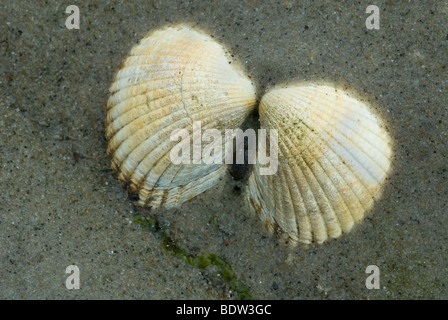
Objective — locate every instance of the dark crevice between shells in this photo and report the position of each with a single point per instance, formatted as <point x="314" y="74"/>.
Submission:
<point x="241" y="172"/>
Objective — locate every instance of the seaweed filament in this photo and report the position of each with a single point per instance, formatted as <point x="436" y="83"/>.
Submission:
<point x="200" y="262"/>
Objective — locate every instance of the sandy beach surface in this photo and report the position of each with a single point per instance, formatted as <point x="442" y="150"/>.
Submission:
<point x="61" y="205"/>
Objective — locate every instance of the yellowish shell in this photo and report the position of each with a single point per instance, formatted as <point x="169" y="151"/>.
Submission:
<point x="172" y="78"/>
<point x="334" y="156"/>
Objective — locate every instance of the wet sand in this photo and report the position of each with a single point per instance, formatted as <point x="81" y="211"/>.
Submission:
<point x="61" y="205"/>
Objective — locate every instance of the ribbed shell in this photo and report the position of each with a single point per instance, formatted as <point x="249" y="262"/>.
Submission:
<point x="334" y="156"/>
<point x="171" y="78"/>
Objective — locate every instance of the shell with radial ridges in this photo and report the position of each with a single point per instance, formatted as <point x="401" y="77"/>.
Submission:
<point x="334" y="155"/>
<point x="172" y="78"/>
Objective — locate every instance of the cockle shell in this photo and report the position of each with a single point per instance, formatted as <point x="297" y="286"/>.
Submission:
<point x="172" y="78"/>
<point x="334" y="156"/>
